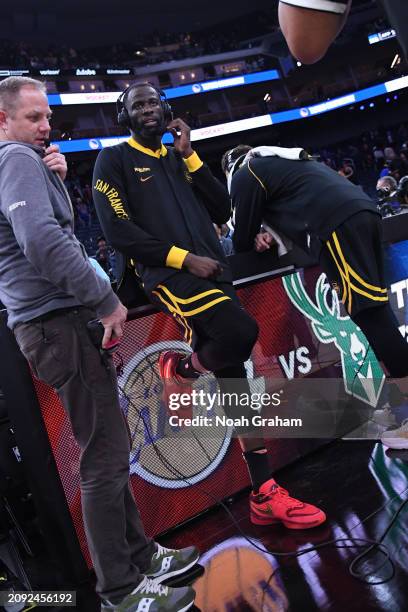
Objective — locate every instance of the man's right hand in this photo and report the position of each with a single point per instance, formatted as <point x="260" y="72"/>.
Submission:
<point x="263" y="242"/>
<point x="203" y="267"/>
<point x="113" y="324"/>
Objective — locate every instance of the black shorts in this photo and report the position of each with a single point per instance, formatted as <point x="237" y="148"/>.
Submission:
<point x="192" y="301"/>
<point x="353" y="261"/>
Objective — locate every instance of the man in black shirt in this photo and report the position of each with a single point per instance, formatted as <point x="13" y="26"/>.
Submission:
<point x="305" y="200"/>
<point x="157" y="206"/>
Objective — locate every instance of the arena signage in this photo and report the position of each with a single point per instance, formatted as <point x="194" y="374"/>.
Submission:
<point x="85" y="72"/>
<point x="92" y="97"/>
<point x="50" y="72"/>
<point x="381" y="36"/>
<point x="171" y="92"/>
<point x="241" y="125"/>
<point x="9" y="73"/>
<point x="117" y="71"/>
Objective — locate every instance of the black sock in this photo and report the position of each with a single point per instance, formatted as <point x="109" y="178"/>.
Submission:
<point x="258" y="467"/>
<point x="185" y="368"/>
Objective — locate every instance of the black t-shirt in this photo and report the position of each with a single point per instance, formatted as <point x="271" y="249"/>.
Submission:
<point x="147" y="205"/>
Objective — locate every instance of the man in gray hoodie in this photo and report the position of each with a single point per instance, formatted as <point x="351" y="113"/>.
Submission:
<point x="50" y="299"/>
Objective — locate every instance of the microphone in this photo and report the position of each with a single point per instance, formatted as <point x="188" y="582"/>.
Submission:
<point x="53" y="135"/>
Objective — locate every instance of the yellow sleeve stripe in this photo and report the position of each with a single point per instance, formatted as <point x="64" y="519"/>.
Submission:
<point x="193" y="162"/>
<point x="176" y="257"/>
<point x="257" y="178"/>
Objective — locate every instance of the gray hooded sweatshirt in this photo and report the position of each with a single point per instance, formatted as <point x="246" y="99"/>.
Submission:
<point x="43" y="267"/>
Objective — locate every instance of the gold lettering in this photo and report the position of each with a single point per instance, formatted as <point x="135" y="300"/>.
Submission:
<point x="118" y="208"/>
<point x="113" y="198"/>
<point x="101" y="186"/>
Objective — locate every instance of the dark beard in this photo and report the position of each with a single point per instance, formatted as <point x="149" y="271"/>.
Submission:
<point x="148" y="133"/>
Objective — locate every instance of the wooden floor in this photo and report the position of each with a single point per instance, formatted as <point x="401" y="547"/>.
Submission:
<point x="360" y="486"/>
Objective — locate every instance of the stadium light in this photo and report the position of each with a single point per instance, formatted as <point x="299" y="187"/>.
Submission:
<point x="395" y="61"/>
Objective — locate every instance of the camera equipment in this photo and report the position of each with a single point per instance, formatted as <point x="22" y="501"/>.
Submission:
<point x="402" y="191"/>
<point x="388" y="202"/>
<point x="386" y="209"/>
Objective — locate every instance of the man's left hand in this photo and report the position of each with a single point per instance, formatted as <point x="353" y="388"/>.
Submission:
<point x="56" y="161"/>
<point x="181" y="134"/>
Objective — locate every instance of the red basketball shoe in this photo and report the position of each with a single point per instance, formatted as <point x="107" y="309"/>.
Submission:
<point x="273" y="505"/>
<point x="174" y="385"/>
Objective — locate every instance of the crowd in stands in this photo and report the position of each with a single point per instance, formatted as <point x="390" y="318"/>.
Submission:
<point x="363" y="160"/>
<point x="80" y="190"/>
<point x="297" y="91"/>
<point x="149" y="49"/>
<point x="374" y="154"/>
<point x="154" y="47"/>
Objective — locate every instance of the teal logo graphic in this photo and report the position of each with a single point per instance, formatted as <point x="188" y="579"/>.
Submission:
<point x="362" y="374"/>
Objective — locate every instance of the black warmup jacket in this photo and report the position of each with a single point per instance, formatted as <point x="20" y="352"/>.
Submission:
<point x="297" y="198"/>
<point x="153" y="207"/>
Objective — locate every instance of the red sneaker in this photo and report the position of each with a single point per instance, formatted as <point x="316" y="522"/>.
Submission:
<point x="173" y="383"/>
<point x="273" y="505"/>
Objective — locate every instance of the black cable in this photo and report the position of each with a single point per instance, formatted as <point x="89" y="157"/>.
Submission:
<point x="265" y="588"/>
<point x="376" y="546"/>
<point x="355" y="542"/>
<point x="373" y="544"/>
<point x="362" y="555"/>
<point x="119" y="371"/>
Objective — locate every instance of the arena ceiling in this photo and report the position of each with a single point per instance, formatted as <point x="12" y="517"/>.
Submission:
<point x="82" y="23"/>
<point x="210" y="9"/>
<point x="70" y="20"/>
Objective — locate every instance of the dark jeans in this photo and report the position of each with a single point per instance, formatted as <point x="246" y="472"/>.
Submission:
<point x="62" y="355"/>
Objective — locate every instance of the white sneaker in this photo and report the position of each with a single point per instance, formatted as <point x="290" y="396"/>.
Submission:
<point x="150" y="596"/>
<point x="384" y="417"/>
<point x="396" y="438"/>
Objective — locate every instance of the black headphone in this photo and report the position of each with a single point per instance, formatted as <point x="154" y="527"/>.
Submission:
<point x="123" y="115"/>
<point x="233" y="160"/>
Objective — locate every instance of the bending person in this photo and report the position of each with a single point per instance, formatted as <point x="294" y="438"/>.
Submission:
<point x="303" y="199"/>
